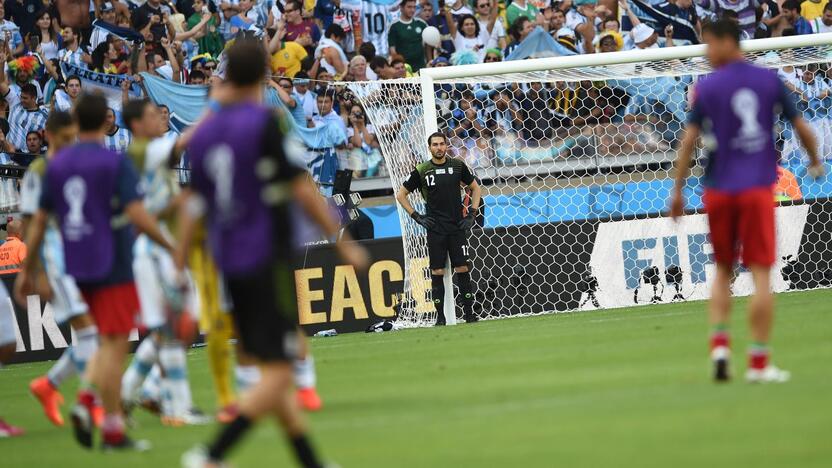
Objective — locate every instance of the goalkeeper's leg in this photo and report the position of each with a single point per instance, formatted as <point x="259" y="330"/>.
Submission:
<point x="458" y="252"/>
<point x="215" y="322"/>
<point x="463" y="282"/>
<point x="437" y="281"/>
<point x="438" y="253"/>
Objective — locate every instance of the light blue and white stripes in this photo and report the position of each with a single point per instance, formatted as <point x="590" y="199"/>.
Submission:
<point x="118" y="141"/>
<point x="22" y="121"/>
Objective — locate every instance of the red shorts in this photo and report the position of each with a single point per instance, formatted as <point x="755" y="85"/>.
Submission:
<point x="742" y="222"/>
<point x="114" y="307"/>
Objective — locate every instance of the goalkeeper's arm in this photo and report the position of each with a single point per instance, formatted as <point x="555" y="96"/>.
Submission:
<point x="476" y="195"/>
<point x="401" y="197"/>
<point x="422" y="220"/>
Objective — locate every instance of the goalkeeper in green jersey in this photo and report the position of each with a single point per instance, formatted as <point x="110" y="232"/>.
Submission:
<point x="447" y="223"/>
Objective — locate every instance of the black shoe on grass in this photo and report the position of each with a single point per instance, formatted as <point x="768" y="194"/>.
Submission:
<point x="82" y="425"/>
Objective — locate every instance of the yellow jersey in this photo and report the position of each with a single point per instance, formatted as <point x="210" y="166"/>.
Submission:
<point x="811" y="10"/>
<point x="286" y="61"/>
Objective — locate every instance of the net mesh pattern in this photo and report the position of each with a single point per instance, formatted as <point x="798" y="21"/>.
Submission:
<point x="575" y="166"/>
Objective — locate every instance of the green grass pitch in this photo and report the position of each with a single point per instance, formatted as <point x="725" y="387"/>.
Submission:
<point x="617" y="388"/>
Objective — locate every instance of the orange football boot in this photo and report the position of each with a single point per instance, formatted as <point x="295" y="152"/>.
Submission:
<point x="309" y="399"/>
<point x="50" y="398"/>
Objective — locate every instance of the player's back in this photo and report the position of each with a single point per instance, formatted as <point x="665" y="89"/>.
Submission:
<point x="239" y="167"/>
<point x="736" y="107"/>
<point x="88" y="187"/>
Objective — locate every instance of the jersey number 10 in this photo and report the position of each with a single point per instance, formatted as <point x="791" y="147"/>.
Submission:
<point x="375" y="23"/>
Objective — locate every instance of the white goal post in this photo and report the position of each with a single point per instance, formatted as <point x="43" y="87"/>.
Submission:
<point x="576" y="152"/>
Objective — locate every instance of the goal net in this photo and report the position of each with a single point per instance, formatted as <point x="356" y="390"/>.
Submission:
<point x="575" y="158"/>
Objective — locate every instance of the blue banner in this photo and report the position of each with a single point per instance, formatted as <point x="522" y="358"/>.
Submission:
<point x="537" y="44"/>
<point x="669" y="91"/>
<point x="185" y="102"/>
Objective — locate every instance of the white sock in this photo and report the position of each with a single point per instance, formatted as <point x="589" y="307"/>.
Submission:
<point x="63" y="368"/>
<point x="152" y="386"/>
<point x="175" y="381"/>
<point x="85" y="347"/>
<point x="246" y="376"/>
<point x="143" y="361"/>
<point x="305" y="372"/>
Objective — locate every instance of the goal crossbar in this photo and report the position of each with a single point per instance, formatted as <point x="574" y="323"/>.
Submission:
<point x="624" y="57"/>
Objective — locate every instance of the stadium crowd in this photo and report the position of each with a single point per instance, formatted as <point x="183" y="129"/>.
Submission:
<point x="313" y="43"/>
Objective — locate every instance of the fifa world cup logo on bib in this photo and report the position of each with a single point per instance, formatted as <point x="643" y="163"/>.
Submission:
<point x="745" y="106"/>
<point x="75" y="194"/>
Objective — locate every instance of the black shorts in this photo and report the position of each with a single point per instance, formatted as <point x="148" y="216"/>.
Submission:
<point x="265" y="312"/>
<point x="441" y="246"/>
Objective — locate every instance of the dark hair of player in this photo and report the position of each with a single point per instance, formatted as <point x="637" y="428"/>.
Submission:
<point x="90" y="112"/>
<point x="133" y="111"/>
<point x="723" y="28"/>
<point x="437" y="135"/>
<point x="58" y="120"/>
<point x="246" y="63"/>
<point x="30" y="90"/>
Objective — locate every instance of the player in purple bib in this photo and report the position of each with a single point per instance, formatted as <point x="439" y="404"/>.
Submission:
<point x="735" y="109"/>
<point x="93" y="193"/>
<point x="246" y="177"/>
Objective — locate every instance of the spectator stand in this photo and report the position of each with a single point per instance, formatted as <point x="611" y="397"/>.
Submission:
<point x="520" y="130"/>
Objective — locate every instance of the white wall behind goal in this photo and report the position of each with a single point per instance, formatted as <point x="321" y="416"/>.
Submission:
<point x="624" y="249"/>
